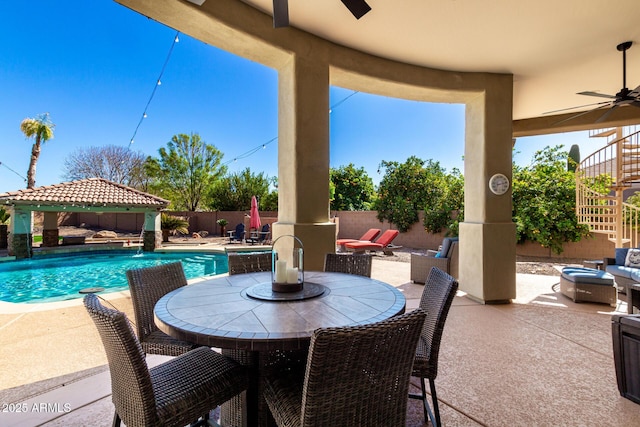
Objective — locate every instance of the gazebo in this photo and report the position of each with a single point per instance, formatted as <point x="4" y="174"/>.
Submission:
<point x="86" y="195"/>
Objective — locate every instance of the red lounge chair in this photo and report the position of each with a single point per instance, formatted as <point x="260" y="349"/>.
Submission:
<point x="371" y="234"/>
<point x="382" y="244"/>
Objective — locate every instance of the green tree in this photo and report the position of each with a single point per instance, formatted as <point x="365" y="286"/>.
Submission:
<point x="444" y="209"/>
<point x="405" y="189"/>
<point x="233" y="192"/>
<point x="41" y="129"/>
<point x="574" y="158"/>
<point x="185" y="171"/>
<point x="353" y="188"/>
<point x="544" y="201"/>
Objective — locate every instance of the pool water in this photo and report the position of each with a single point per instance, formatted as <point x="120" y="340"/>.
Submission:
<point x="57" y="278"/>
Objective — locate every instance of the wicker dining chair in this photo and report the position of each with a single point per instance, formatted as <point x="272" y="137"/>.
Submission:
<point x="175" y="393"/>
<point x="437" y="297"/>
<point x="240" y="263"/>
<point x="147" y="286"/>
<point x="359" y="264"/>
<point x="354" y="376"/>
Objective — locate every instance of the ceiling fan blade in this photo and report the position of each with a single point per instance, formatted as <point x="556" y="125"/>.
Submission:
<point x="635" y="93"/>
<point x="358" y="8"/>
<point x="603" y="117"/>
<point x="580" y="114"/>
<point x="280" y="13"/>
<point x="579" y="106"/>
<point x="601" y="95"/>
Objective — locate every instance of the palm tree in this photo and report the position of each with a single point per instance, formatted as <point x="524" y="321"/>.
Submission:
<point x="40" y="128"/>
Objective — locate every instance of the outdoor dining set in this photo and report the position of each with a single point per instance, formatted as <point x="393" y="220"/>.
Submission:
<point x="339" y="351"/>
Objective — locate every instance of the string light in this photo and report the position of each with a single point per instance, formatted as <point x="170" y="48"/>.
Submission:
<point x="176" y="39"/>
<point x="5" y="165"/>
<point x="264" y="146"/>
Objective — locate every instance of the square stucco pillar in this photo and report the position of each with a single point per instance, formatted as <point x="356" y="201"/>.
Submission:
<point x="488" y="234"/>
<point x="303" y="159"/>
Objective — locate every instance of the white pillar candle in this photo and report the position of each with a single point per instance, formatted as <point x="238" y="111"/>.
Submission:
<point x="292" y="276"/>
<point x="281" y="271"/>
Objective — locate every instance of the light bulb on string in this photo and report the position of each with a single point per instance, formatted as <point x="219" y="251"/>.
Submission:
<point x="159" y="82"/>
<point x="177" y="40"/>
<point x="144" y="115"/>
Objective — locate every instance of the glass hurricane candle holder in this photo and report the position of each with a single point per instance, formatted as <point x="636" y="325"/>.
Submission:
<point x="287" y="265"/>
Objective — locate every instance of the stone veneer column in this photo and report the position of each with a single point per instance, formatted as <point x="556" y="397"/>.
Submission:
<point x="303" y="158"/>
<point x="152" y="236"/>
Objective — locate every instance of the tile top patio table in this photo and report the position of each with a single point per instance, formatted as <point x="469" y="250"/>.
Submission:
<point x="219" y="313"/>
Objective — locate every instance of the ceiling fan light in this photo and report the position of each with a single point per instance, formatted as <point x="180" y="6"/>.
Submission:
<point x="358" y="8"/>
<point x="280" y="13"/>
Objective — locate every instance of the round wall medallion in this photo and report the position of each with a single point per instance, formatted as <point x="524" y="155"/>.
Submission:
<point x="499" y="184"/>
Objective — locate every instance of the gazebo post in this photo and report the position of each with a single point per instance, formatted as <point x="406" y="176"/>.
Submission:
<point x="50" y="232"/>
<point x="20" y="237"/>
<point x="152" y="231"/>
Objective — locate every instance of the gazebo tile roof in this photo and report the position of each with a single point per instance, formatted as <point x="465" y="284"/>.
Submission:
<point x="94" y="191"/>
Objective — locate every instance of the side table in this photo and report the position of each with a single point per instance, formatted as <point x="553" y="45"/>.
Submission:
<point x="598" y="264"/>
<point x="633" y="298"/>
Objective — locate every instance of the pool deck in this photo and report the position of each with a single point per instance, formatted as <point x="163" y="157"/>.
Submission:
<point x="542" y="360"/>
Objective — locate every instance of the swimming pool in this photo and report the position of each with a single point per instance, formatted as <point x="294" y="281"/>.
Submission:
<point x="57" y="278"/>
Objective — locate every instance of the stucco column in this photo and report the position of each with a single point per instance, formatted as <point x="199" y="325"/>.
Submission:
<point x="303" y="158"/>
<point x="20" y="237"/>
<point x="488" y="235"/>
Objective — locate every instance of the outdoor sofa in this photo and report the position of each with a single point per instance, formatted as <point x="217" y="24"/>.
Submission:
<point x="623" y="268"/>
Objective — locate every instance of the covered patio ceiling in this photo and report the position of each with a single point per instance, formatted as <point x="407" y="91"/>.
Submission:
<point x="553" y="49"/>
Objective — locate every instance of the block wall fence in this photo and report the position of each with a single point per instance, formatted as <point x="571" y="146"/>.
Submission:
<point x="350" y="224"/>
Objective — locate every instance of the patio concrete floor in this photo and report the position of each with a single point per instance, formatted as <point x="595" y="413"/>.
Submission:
<point x="542" y="360"/>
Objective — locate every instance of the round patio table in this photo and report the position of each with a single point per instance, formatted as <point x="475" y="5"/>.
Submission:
<point x="220" y="312"/>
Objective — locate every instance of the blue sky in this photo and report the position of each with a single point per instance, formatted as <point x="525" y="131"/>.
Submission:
<point x="94" y="64"/>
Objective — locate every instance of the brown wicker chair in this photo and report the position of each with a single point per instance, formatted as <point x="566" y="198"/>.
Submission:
<point x="354" y="376"/>
<point x="240" y="263"/>
<point x="436" y="300"/>
<point x="147" y="286"/>
<point x="175" y="393"/>
<point x="359" y="264"/>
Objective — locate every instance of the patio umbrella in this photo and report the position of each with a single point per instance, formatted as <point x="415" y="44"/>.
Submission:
<point x="254" y="221"/>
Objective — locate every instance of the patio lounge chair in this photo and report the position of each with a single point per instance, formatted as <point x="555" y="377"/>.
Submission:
<point x="446" y="259"/>
<point x="237" y="235"/>
<point x="175" y="393"/>
<point x="381" y="244"/>
<point x="371" y="234"/>
<point x="354" y="376"/>
<point x="436" y="300"/>
<point x="260" y="236"/>
<point x="147" y="285"/>
<point x="359" y="264"/>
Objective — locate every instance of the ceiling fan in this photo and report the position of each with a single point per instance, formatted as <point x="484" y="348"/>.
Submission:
<point x="624" y="97"/>
<point x="281" y="11"/>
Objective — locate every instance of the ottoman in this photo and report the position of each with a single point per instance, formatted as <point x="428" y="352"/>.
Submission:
<point x="588" y="285"/>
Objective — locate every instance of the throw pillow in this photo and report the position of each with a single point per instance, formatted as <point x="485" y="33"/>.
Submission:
<point x="633" y="258"/>
<point x="621" y="255"/>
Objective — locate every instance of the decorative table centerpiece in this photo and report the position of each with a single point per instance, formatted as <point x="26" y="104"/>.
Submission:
<point x="287" y="266"/>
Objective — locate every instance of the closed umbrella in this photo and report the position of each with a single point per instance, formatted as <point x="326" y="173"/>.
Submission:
<point x="254" y="221"/>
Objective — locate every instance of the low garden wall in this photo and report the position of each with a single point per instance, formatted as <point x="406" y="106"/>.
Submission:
<point x="350" y="224"/>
